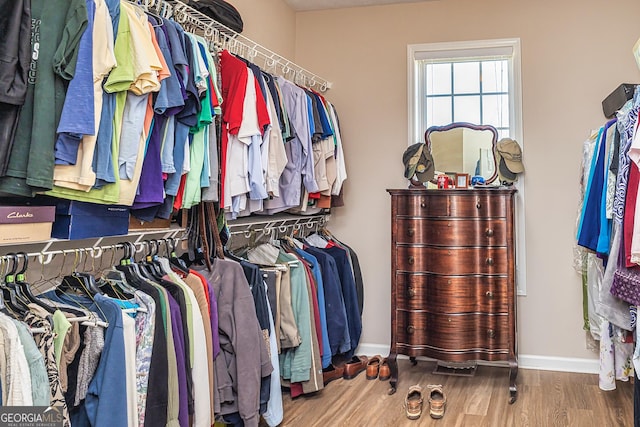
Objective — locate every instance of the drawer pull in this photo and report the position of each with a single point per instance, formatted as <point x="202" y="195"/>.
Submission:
<point x="411" y="292"/>
<point x="478" y="205"/>
<point x="410" y="330"/>
<point x="489" y="294"/>
<point x="411" y="232"/>
<point x="489" y="261"/>
<point x="491" y="333"/>
<point x="423" y="204"/>
<point x="411" y="260"/>
<point x="489" y="232"/>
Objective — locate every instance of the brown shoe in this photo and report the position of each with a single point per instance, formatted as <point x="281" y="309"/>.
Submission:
<point x="413" y="402"/>
<point x="384" y="372"/>
<point x="331" y="373"/>
<point x="437" y="401"/>
<point x="354" y="366"/>
<point x="373" y="366"/>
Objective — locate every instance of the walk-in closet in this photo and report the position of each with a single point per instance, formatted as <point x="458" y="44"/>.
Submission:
<point x="311" y="213"/>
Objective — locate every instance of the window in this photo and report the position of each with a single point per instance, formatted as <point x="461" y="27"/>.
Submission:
<point x="474" y="91"/>
<point x="477" y="82"/>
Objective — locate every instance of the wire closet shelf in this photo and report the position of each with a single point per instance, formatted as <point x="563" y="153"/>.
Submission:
<point x="222" y="37"/>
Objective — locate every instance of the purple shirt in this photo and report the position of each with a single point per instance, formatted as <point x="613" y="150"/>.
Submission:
<point x="213" y="314"/>
<point x="178" y="342"/>
<point x="151" y="185"/>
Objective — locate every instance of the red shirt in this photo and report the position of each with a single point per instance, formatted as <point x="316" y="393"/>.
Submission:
<point x="234" y="76"/>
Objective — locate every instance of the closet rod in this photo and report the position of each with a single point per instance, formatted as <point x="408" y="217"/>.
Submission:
<point x="281" y="224"/>
<point x="223" y="37"/>
<point x="46" y="256"/>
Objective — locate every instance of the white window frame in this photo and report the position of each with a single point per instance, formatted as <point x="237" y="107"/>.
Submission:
<point x="479" y="49"/>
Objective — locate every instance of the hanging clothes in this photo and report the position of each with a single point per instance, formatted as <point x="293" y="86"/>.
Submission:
<point x="241" y="342"/>
<point x="60" y="25"/>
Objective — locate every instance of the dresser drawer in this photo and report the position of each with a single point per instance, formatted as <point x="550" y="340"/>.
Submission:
<point x="478" y="206"/>
<point x="422" y="205"/>
<point x="452" y="232"/>
<point x="457" y="204"/>
<point x="451" y="261"/>
<point x="451" y="294"/>
<point x="462" y="332"/>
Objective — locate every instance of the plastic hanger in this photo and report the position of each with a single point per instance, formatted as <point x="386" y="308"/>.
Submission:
<point x="80" y="281"/>
<point x="10" y="280"/>
<point x="25" y="288"/>
<point x="177" y="264"/>
<point x="152" y="268"/>
<point x="16" y="307"/>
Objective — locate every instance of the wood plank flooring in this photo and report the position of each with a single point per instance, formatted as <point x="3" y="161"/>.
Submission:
<point x="545" y="399"/>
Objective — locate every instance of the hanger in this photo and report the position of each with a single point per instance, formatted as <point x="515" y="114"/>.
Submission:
<point x="150" y="260"/>
<point x="13" y="305"/>
<point x="25" y="288"/>
<point x="146" y="7"/>
<point x="155" y="258"/>
<point x="82" y="313"/>
<point x="79" y="281"/>
<point x="129" y="266"/>
<point x="176" y="263"/>
<point x="10" y="280"/>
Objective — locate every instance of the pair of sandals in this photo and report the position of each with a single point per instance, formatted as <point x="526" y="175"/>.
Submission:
<point x="377" y="367"/>
<point x="415" y="397"/>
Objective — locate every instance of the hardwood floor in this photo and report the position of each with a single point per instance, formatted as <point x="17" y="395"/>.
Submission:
<point x="545" y="398"/>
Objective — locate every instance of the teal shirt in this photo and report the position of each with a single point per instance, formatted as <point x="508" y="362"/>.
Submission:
<point x="295" y="363"/>
<point x="39" y="379"/>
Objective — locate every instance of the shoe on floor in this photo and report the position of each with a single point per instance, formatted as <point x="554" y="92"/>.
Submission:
<point x="437" y="401"/>
<point x="373" y="366"/>
<point x="331" y="373"/>
<point x="354" y="366"/>
<point x="413" y="402"/>
<point x="384" y="372"/>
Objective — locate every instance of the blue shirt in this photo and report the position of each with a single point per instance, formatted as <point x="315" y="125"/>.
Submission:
<point x="337" y="327"/>
<point x="317" y="275"/>
<point x="78" y="110"/>
<point x="106" y="401"/>
<point x="169" y="99"/>
<point x="349" y="293"/>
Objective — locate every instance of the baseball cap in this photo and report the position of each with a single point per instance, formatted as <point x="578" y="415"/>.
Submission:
<point x="418" y="161"/>
<point x="510" y="155"/>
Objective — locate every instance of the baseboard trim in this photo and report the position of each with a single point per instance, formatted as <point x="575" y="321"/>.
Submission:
<point x="525" y="361"/>
<point x="561" y="364"/>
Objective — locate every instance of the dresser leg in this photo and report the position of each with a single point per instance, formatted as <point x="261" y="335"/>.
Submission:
<point x="513" y="373"/>
<point x="393" y="367"/>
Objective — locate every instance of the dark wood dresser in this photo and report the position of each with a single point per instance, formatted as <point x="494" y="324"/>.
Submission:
<point x="453" y="277"/>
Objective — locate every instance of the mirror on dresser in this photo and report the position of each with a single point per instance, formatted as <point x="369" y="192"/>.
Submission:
<point x="464" y="148"/>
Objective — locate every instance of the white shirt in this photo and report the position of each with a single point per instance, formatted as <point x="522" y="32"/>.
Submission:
<point x="16" y="387"/>
<point x="129" y="330"/>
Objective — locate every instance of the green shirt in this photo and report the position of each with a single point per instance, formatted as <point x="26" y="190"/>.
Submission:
<point x="56" y="28"/>
<point x="60" y="328"/>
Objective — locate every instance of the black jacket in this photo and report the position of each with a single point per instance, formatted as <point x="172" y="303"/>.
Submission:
<point x="15" y="50"/>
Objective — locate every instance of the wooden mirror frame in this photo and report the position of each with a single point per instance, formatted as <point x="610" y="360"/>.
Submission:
<point x="467" y="125"/>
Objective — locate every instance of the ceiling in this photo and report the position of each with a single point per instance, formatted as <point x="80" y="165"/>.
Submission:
<point x="300" y="5"/>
